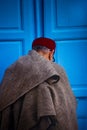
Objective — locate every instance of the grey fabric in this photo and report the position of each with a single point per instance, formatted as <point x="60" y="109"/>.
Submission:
<point x="28" y="72"/>
<point x="34" y="87"/>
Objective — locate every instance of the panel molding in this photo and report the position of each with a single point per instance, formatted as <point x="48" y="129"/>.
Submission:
<point x="10" y="51"/>
<point x="56" y="12"/>
<point x="39" y="17"/>
<point x="61" y="32"/>
<point x="80" y="91"/>
<point x="16" y="24"/>
<point x="72" y="56"/>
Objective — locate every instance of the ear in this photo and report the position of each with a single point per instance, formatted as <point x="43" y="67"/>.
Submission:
<point x="51" y="55"/>
<point x="52" y="52"/>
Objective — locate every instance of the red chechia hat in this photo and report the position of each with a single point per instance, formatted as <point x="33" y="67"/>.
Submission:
<point x="46" y="42"/>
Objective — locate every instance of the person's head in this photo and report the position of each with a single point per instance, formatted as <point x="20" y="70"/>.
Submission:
<point x="45" y="47"/>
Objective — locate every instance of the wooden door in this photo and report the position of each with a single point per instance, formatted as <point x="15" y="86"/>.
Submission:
<point x="66" y="22"/>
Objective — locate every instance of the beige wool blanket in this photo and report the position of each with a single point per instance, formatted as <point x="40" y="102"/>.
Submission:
<point x="34" y="87"/>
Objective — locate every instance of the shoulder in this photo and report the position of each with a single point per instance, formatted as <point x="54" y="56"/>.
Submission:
<point x="61" y="71"/>
<point x="58" y="68"/>
<point x="22" y="61"/>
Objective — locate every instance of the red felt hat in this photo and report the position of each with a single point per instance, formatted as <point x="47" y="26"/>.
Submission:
<point x="46" y="42"/>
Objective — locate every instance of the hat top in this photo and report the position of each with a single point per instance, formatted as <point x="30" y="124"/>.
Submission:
<point x="46" y="42"/>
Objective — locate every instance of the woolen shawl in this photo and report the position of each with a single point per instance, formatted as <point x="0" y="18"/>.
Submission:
<point x="32" y="88"/>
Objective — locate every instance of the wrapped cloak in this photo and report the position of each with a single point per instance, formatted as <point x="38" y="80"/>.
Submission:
<point x="35" y="95"/>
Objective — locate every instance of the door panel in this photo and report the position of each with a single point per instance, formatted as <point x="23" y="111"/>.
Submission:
<point x="72" y="54"/>
<point x="65" y="21"/>
<point x="9" y="52"/>
<point x="9" y="14"/>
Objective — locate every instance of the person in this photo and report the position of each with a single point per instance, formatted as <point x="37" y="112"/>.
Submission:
<point x="35" y="93"/>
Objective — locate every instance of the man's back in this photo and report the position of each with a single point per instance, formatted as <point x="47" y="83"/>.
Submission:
<point x="35" y="93"/>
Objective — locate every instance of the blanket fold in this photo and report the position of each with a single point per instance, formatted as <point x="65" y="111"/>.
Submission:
<point x="25" y="74"/>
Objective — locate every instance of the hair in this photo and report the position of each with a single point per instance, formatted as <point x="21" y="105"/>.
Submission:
<point x="41" y="48"/>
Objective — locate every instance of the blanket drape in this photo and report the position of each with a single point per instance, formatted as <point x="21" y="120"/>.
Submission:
<point x="34" y="87"/>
